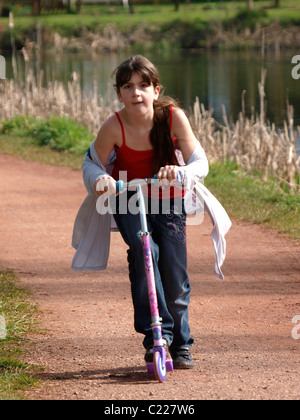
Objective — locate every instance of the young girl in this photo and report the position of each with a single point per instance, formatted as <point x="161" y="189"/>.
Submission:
<point x="139" y="141"/>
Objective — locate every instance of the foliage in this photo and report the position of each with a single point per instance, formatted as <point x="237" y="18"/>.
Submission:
<point x="59" y="133"/>
<point x="18" y="312"/>
<point x="195" y="21"/>
<point x="246" y="197"/>
<point x="246" y="18"/>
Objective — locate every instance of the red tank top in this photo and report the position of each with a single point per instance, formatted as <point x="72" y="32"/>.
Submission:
<point x="137" y="164"/>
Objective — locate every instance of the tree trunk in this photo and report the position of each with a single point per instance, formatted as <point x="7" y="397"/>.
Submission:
<point x="250" y="4"/>
<point x="36" y="7"/>
<point x="78" y="5"/>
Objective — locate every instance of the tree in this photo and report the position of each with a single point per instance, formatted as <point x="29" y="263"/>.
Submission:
<point x="36" y="7"/>
<point x="78" y="5"/>
<point x="128" y="4"/>
<point x="177" y="3"/>
<point x="276" y="3"/>
<point x="250" y="4"/>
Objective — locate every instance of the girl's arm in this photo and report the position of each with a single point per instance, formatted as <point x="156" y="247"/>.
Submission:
<point x="107" y="138"/>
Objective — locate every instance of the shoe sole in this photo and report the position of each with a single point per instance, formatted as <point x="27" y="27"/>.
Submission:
<point x="183" y="366"/>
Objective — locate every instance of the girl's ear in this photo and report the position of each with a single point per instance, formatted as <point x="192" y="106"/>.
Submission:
<point x="156" y="92"/>
<point x="119" y="96"/>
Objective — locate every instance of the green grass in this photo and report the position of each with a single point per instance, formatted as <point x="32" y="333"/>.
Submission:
<point x="246" y="197"/>
<point x="56" y="141"/>
<point x="59" y="133"/>
<point x="19" y="315"/>
<point x="26" y="148"/>
<point x="193" y="19"/>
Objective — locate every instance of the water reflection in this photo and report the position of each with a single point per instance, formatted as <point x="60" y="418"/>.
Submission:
<point x="215" y="77"/>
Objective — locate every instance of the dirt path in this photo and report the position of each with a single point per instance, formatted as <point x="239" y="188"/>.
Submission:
<point x="242" y="325"/>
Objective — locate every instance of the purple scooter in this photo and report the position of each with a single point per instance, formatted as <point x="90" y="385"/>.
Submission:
<point x="160" y="365"/>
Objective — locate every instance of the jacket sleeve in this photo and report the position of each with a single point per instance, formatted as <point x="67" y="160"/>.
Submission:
<point x="93" y="169"/>
<point x="196" y="168"/>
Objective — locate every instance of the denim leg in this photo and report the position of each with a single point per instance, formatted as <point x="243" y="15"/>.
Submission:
<point x="171" y="239"/>
<point x="168" y="245"/>
<point x="129" y="226"/>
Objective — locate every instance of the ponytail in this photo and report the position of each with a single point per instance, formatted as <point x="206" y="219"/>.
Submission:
<point x="160" y="136"/>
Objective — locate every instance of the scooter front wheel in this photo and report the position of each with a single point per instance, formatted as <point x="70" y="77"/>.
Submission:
<point x="159" y="369"/>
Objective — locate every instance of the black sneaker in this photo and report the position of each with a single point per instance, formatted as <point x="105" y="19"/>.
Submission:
<point x="182" y="358"/>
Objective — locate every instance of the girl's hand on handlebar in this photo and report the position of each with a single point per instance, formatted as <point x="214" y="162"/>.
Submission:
<point x="167" y="174"/>
<point x="105" y="185"/>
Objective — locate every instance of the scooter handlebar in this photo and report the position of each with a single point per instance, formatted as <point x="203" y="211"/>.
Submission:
<point x="121" y="185"/>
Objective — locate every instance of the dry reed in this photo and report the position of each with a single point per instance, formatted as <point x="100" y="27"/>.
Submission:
<point x="32" y="99"/>
<point x="253" y="143"/>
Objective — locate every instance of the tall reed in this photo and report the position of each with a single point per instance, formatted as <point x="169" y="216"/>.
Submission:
<point x="32" y="99"/>
<point x="255" y="144"/>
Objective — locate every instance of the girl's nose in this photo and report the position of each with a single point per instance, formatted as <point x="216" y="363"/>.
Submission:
<point x="136" y="91"/>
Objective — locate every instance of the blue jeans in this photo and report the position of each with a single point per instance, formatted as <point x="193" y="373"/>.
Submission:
<point x="168" y="245"/>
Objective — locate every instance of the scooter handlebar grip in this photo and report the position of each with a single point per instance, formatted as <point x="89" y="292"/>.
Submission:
<point x="119" y="186"/>
<point x="179" y="176"/>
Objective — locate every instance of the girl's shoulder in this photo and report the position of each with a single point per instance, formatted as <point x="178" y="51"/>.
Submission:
<point x="111" y="123"/>
<point x="178" y="116"/>
<point x="109" y="132"/>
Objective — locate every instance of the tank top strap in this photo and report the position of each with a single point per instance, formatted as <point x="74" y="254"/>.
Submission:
<point x="122" y="127"/>
<point x="170" y="122"/>
<point x="170" y="118"/>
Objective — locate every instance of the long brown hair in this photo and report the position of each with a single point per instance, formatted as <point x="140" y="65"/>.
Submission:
<point x="160" y="136"/>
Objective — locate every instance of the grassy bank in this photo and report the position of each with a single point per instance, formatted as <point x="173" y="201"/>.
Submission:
<point x="17" y="320"/>
<point x="244" y="196"/>
<point x="195" y="25"/>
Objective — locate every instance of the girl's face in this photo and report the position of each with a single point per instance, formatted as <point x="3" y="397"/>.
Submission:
<point x="137" y="95"/>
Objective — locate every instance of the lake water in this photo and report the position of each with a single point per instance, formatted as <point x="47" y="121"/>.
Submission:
<point x="215" y="77"/>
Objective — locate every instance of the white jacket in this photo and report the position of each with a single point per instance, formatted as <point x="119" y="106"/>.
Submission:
<point x="91" y="233"/>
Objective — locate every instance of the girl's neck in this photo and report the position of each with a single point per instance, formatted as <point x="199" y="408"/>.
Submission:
<point x="142" y="122"/>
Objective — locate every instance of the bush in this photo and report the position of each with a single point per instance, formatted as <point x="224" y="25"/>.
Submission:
<point x="249" y="18"/>
<point x="59" y="133"/>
